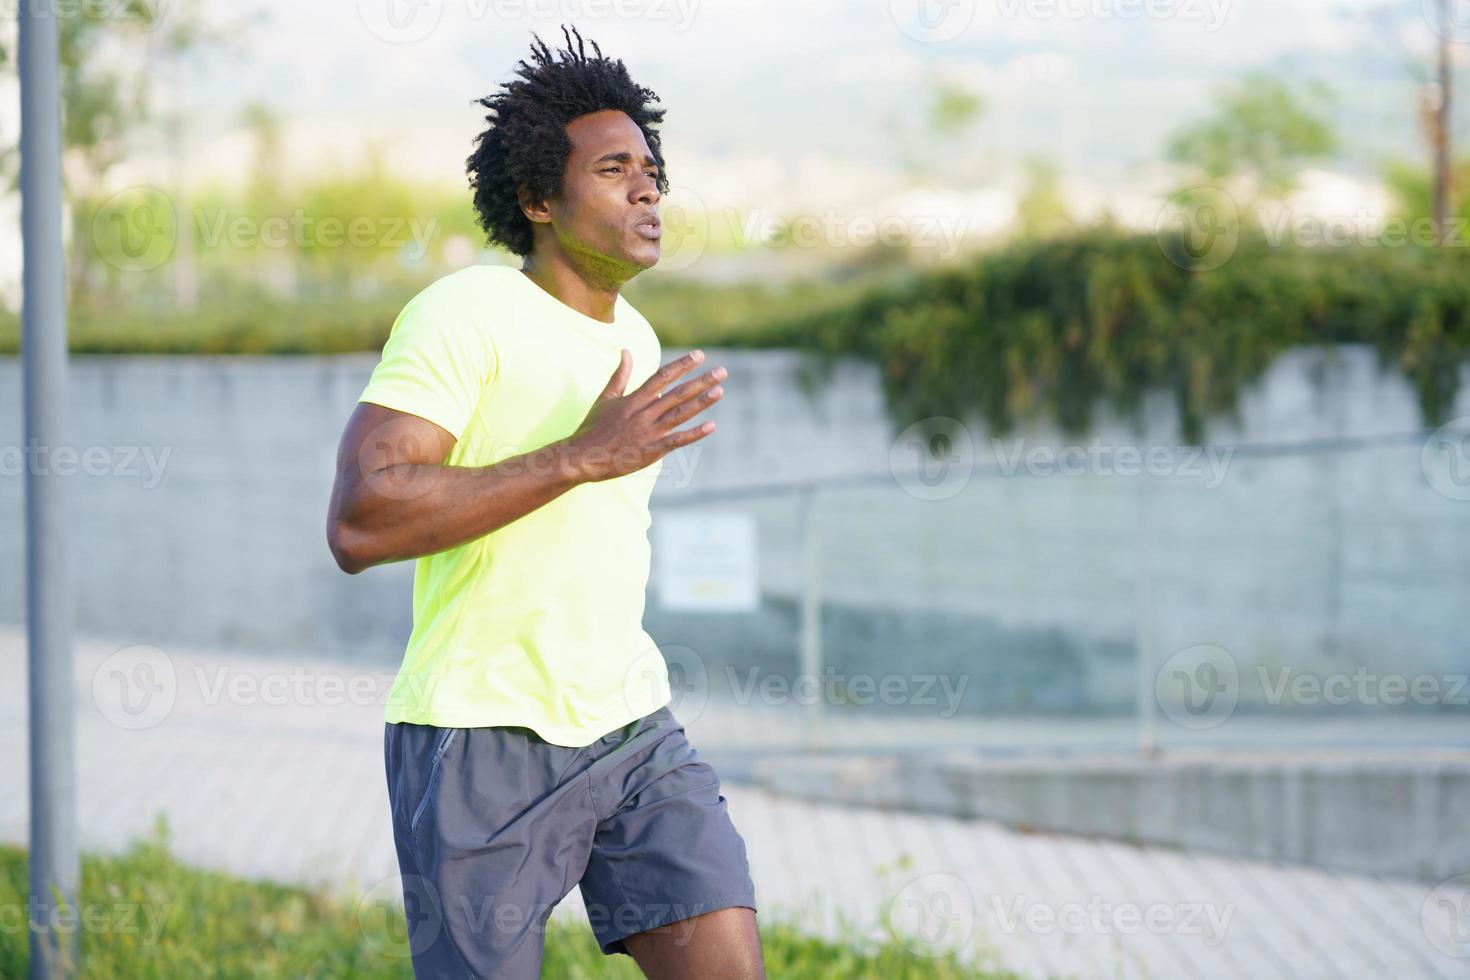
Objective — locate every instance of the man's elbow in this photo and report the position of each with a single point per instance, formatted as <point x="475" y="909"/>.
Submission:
<point x="347" y="548"/>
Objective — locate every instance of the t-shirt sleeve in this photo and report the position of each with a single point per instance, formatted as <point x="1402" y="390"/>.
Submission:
<point x="436" y="363"/>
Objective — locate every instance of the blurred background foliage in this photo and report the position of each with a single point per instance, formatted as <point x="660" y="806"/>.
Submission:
<point x="1054" y="317"/>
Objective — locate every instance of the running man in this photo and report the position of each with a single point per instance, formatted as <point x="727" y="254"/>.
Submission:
<point x="508" y="440"/>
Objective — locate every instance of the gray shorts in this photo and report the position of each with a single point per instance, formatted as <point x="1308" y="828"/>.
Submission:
<point x="495" y="825"/>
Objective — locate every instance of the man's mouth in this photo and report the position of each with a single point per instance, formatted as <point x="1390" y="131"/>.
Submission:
<point x="650" y="228"/>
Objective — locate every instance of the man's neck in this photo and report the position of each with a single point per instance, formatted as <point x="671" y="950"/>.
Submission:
<point x="564" y="282"/>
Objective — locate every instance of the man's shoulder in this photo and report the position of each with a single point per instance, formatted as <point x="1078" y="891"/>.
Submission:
<point x="471" y="281"/>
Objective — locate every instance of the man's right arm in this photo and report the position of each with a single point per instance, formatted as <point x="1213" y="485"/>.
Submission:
<point x="394" y="499"/>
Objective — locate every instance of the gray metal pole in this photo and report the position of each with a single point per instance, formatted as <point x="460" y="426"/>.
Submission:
<point x="811" y="615"/>
<point x="1146" y="632"/>
<point x="55" y="868"/>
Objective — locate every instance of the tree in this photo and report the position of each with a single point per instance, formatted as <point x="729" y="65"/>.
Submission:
<point x="1261" y="129"/>
<point x="1436" y="90"/>
<point x="108" y="56"/>
<point x="952" y="108"/>
<point x="1042" y="208"/>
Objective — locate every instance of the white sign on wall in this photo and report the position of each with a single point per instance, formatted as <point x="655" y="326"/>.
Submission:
<point x="705" y="561"/>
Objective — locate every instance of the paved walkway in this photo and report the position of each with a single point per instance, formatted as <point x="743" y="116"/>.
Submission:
<point x="274" y="769"/>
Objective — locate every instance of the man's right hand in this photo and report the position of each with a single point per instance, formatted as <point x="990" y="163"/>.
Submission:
<point x="624" y="433"/>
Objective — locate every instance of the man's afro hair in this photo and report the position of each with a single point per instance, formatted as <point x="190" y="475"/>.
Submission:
<point x="526" y="143"/>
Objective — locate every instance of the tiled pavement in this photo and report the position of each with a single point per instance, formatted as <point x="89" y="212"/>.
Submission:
<point x="273" y="768"/>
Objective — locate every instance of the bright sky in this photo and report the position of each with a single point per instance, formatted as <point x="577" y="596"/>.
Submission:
<point x="760" y="92"/>
<point x="785" y="105"/>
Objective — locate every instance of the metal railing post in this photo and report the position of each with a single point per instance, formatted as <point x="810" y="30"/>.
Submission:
<point x="55" y="869"/>
<point x="811" y="616"/>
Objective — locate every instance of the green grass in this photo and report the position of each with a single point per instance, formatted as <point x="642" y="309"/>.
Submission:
<point x="148" y="915"/>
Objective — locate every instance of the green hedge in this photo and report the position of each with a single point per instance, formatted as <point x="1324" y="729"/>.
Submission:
<point x="1050" y="328"/>
<point x="1058" y="327"/>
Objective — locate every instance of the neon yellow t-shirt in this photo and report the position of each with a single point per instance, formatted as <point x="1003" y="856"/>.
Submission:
<point x="540" y="622"/>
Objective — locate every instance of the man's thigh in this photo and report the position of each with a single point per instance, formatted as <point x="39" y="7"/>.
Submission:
<point x="493" y="827"/>
<point x="665" y="849"/>
<point x="723" y="943"/>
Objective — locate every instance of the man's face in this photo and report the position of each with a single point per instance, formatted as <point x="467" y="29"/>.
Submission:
<point x="607" y="214"/>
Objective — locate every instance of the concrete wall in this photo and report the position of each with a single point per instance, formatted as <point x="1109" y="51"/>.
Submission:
<point x="205" y="524"/>
<point x="1379" y="813"/>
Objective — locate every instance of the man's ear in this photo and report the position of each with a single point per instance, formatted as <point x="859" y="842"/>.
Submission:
<point x="534" y="209"/>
